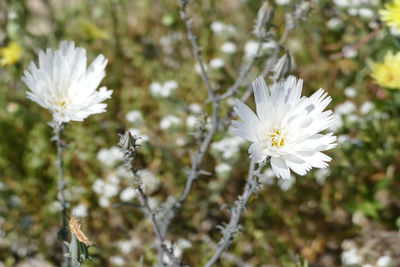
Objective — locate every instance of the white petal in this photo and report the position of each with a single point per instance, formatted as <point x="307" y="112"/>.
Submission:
<point x="245" y="113"/>
<point x="257" y="152"/>
<point x="280" y="168"/>
<point x="245" y="130"/>
<point x="261" y="96"/>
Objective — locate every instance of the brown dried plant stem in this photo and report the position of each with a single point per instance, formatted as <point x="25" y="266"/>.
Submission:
<point x="61" y="195"/>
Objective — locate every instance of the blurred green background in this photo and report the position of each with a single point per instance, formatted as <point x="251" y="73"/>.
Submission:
<point x="347" y="215"/>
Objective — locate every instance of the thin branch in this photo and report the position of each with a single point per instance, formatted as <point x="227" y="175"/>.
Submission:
<point x="61" y="195"/>
<point x="161" y="247"/>
<point x="243" y="74"/>
<point x="226" y="255"/>
<point x="197" y="51"/>
<point x="358" y="45"/>
<point x="232" y="228"/>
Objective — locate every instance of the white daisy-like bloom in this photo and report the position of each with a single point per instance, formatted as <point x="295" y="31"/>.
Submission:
<point x="286" y="127"/>
<point x="63" y="84"/>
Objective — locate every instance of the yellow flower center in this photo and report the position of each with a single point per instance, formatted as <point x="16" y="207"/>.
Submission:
<point x="277" y="138"/>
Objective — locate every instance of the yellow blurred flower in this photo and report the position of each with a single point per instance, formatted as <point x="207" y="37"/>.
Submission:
<point x="387" y="74"/>
<point x="10" y="54"/>
<point x="93" y="32"/>
<point x="391" y="14"/>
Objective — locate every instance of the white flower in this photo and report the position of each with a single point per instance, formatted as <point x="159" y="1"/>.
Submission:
<point x="366" y="107"/>
<point x="63" y="84"/>
<point x="195" y="108"/>
<point x="384" y="261"/>
<point x="109" y="157"/>
<point x="149" y="180"/>
<point x="228" y="48"/>
<point x="350" y="257"/>
<point x="163" y="90"/>
<point x="134" y="116"/>
<point x="286" y="127"/>
<point x="169" y="121"/>
<point x="350" y="92"/>
<point x="118" y="260"/>
<point x="191" y="121"/>
<point x="282" y="2"/>
<point x="216" y="63"/>
<point x="80" y="210"/>
<point x="128" y="194"/>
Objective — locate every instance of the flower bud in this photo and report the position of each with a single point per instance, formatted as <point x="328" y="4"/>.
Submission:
<point x="264" y="20"/>
<point x="282" y="68"/>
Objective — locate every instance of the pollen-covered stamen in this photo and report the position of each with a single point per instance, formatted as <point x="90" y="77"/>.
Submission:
<point x="277" y="138"/>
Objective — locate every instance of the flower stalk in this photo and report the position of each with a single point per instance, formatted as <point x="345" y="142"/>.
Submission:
<point x="63" y="233"/>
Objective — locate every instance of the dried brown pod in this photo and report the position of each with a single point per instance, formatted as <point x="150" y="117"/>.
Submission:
<point x="75" y="228"/>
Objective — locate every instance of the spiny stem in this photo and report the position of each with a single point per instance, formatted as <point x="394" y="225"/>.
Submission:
<point x="61" y="195"/>
<point x="230" y="230"/>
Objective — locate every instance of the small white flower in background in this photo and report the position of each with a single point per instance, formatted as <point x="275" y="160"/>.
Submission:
<point x="395" y="31"/>
<point x="177" y="249"/>
<point x="250" y="48"/>
<point x="229" y="147"/>
<point x="286" y="184"/>
<point x="282" y="2"/>
<point x="134" y="116"/>
<point x="104" y="202"/>
<point x="217" y="63"/>
<point x="80" y="210"/>
<point x="350" y="92"/>
<point x="163" y="90"/>
<point x="286" y="127"/>
<point x="223" y="170"/>
<point x="349" y="52"/>
<point x="220" y="28"/>
<point x="153" y="203"/>
<point x="117" y="260"/>
<point x="180" y="141"/>
<point x="110" y="156"/>
<point x="343" y="138"/>
<point x="366" y="13"/>
<point x="228" y="48"/>
<point x="63" y="84"/>
<point x="150" y="182"/>
<point x="321" y="175"/>
<point x="345" y="108"/>
<point x="127" y="246"/>
<point x="198" y="69"/>
<point x="217" y="27"/>
<point x="267" y="177"/>
<point x="384" y="261"/>
<point x="334" y="23"/>
<point x="366" y="107"/>
<point x="191" y="121"/>
<point x="169" y="122"/>
<point x="128" y="194"/>
<point x="350" y="257"/>
<point x="195" y="108"/>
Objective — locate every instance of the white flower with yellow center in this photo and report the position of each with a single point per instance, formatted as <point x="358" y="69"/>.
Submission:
<point x="286" y="127"/>
<point x="64" y="85"/>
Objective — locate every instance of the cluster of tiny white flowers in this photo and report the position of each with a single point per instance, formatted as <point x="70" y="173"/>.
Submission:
<point x="106" y="189"/>
<point x="134" y="116"/>
<point x="80" y="210"/>
<point x="163" y="90"/>
<point x="177" y="249"/>
<point x="228" y="147"/>
<point x="228" y="48"/>
<point x="110" y="156"/>
<point x="220" y="28"/>
<point x="169" y="122"/>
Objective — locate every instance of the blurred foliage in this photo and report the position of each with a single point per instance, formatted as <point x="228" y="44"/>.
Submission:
<point x="145" y="42"/>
